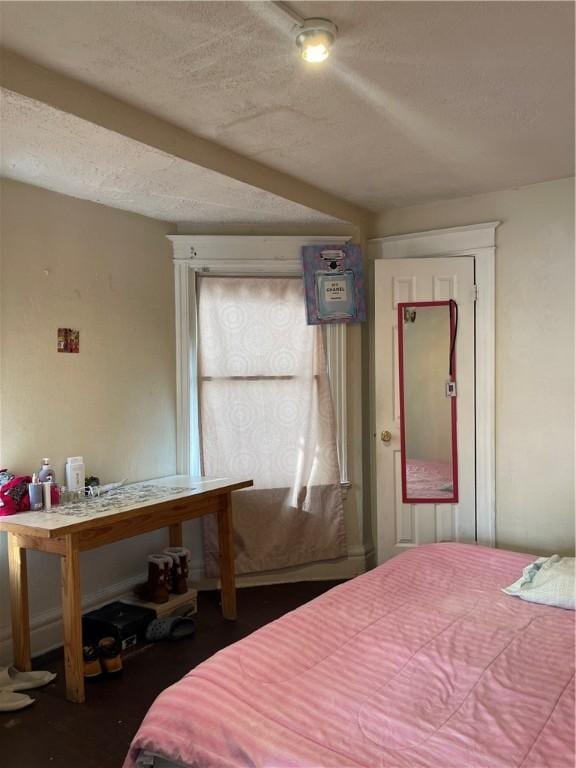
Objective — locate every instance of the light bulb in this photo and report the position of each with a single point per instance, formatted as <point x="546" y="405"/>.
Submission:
<point x="315" y="39"/>
<point x="315" y="53"/>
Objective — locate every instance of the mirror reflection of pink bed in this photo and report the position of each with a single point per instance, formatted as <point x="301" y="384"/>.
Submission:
<point x="429" y="479"/>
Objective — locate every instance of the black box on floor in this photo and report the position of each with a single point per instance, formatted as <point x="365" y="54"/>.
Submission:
<point x="123" y="621"/>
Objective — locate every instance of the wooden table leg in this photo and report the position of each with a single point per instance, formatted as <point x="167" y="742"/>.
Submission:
<point x="72" y="612"/>
<point x="19" y="603"/>
<point x="175" y="534"/>
<point x="226" y="548"/>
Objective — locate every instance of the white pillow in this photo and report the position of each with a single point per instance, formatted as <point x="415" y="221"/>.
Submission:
<point x="549" y="580"/>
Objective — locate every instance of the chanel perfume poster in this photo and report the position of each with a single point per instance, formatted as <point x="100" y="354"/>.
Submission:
<point x="334" y="283"/>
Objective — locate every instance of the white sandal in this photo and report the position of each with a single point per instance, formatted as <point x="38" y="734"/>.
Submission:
<point x="11" y="679"/>
<point x="11" y="702"/>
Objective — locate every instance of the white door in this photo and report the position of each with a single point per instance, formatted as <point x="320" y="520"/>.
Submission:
<point x="402" y="525"/>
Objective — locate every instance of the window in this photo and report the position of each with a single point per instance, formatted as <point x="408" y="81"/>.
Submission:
<point x="266" y="414"/>
<point x="240" y="256"/>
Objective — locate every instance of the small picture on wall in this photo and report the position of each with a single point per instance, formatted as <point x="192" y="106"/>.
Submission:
<point x="334" y="283"/>
<point x="68" y="340"/>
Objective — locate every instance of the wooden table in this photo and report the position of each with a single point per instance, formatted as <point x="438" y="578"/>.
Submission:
<point x="66" y="533"/>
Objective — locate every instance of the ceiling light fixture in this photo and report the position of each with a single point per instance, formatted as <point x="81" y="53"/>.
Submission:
<point x="314" y="37"/>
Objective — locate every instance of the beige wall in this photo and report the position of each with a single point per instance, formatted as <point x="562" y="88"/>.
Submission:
<point x="534" y="353"/>
<point x="71" y="263"/>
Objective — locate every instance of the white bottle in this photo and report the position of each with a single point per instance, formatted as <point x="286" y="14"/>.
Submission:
<point x="75" y="473"/>
<point x="47" y="486"/>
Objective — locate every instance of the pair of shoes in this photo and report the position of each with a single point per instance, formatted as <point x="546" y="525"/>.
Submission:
<point x="105" y="657"/>
<point x="12" y="680"/>
<point x="167" y="572"/>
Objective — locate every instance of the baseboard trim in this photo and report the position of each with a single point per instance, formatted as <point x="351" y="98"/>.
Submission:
<point x="46" y="626"/>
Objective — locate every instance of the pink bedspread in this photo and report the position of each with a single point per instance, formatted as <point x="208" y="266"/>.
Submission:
<point x="420" y="662"/>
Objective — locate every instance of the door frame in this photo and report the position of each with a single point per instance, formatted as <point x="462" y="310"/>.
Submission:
<point x="479" y="242"/>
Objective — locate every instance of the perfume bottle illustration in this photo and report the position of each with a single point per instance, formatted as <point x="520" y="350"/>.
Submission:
<point x="335" y="289"/>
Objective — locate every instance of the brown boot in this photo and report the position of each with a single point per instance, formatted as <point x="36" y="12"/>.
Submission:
<point x="158" y="570"/>
<point x="179" y="556"/>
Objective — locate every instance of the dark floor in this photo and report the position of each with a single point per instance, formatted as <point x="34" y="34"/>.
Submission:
<point x="56" y="733"/>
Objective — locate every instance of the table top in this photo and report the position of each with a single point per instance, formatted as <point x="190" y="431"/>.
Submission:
<point x="130" y="497"/>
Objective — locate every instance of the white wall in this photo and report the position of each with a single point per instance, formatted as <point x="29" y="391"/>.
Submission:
<point x="534" y="353"/>
<point x="71" y="263"/>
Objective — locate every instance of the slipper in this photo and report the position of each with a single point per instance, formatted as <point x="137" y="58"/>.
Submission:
<point x="10" y="702"/>
<point x="172" y="628"/>
<point x="11" y="679"/>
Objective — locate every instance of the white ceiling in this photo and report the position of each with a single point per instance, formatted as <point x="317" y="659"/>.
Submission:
<point x="51" y="149"/>
<point x="419" y="101"/>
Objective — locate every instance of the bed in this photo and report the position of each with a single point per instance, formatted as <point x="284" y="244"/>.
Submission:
<point x="422" y="662"/>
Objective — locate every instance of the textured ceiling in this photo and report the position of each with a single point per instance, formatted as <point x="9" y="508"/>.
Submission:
<point x="420" y="101"/>
<point x="48" y="148"/>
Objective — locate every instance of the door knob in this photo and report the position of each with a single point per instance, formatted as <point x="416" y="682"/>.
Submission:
<point x="386" y="436"/>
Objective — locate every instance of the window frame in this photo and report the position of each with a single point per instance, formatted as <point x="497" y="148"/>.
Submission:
<point x="241" y="256"/>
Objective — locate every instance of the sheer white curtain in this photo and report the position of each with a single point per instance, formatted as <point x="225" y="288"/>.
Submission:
<point x="266" y="413"/>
